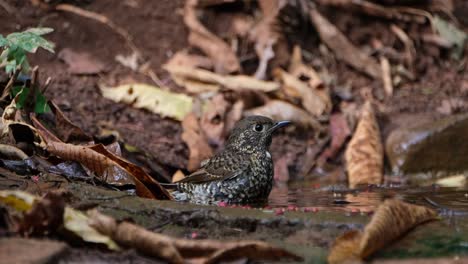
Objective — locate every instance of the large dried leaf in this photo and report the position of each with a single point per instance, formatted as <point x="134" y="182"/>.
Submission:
<point x="73" y="220"/>
<point x="198" y="80"/>
<point x="176" y="250"/>
<point x="364" y="154"/>
<point x="280" y="110"/>
<point x="342" y="47"/>
<point x="196" y="141"/>
<point x="392" y="220"/>
<point x="110" y="168"/>
<point x="164" y="103"/>
<point x="311" y="101"/>
<point x="223" y="57"/>
<point x="98" y="163"/>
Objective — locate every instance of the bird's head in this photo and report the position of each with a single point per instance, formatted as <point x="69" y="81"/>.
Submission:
<point x="253" y="133"/>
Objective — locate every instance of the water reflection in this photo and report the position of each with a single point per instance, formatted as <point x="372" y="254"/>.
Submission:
<point x="306" y="195"/>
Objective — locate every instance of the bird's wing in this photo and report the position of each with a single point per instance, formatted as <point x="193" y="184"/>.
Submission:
<point x="216" y="170"/>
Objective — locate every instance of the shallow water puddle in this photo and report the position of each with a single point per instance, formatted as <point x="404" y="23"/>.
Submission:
<point x="447" y="200"/>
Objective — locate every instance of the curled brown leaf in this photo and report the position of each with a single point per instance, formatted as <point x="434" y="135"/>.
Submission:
<point x="391" y="220"/>
<point x="110" y="168"/>
<point x="364" y="154"/>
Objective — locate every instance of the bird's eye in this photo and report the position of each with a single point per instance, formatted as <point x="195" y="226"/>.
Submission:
<point x="258" y="127"/>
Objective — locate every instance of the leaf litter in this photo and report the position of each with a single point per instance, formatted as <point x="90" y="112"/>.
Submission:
<point x="298" y="94"/>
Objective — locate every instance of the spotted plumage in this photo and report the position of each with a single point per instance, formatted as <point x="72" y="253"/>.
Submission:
<point x="242" y="173"/>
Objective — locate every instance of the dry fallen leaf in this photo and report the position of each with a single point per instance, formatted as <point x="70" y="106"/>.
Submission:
<point x="176" y="250"/>
<point x="73" y="220"/>
<point x="198" y="80"/>
<point x="110" y="168"/>
<point x="280" y="110"/>
<point x="223" y="57"/>
<point x="300" y="70"/>
<point x="66" y="130"/>
<point x="339" y="131"/>
<point x="392" y="219"/>
<point x="364" y="154"/>
<point x="311" y="101"/>
<point x="80" y="62"/>
<point x="178" y="175"/>
<point x="139" y="95"/>
<point x="183" y="58"/>
<point x="196" y="141"/>
<point x="342" y="47"/>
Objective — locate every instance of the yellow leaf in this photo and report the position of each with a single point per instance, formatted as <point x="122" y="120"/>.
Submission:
<point x="78" y="223"/>
<point x="151" y="98"/>
<point x="452" y="181"/>
<point x="21" y="201"/>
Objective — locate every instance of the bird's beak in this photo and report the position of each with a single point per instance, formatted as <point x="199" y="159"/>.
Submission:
<point x="279" y="125"/>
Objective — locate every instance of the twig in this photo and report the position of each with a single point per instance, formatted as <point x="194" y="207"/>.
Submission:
<point x="386" y="76"/>
<point x="11" y="82"/>
<point x="122" y="32"/>
<point x="410" y="51"/>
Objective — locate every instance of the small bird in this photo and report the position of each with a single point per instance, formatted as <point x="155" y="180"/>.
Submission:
<point x="242" y="173"/>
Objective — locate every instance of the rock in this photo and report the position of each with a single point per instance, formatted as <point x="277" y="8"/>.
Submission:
<point x="22" y="250"/>
<point x="421" y="144"/>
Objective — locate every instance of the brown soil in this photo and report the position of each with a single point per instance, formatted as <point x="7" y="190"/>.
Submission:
<point x="158" y="31"/>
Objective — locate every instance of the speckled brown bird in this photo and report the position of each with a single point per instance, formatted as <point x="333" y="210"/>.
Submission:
<point x="240" y="174"/>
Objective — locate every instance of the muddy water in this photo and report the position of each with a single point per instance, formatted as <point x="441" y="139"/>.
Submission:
<point x="315" y="197"/>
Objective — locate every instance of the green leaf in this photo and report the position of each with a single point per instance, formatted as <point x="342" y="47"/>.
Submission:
<point x="452" y="34"/>
<point x="41" y="105"/>
<point x="22" y="93"/>
<point x="3" y="41"/>
<point x="30" y="41"/>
